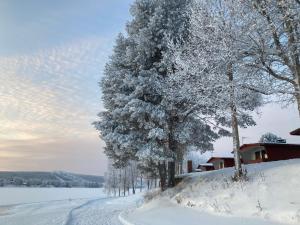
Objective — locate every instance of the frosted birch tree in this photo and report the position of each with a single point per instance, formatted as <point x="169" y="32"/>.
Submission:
<point x="111" y="180"/>
<point x="210" y="71"/>
<point x="272" y="45"/>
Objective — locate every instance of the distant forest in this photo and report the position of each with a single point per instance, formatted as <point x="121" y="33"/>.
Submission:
<point x="49" y="179"/>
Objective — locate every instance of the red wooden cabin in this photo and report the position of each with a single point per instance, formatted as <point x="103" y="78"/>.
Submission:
<point x="221" y="162"/>
<point x="266" y="152"/>
<point x="205" y="167"/>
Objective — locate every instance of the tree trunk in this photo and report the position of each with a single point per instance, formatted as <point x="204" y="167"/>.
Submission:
<point x="120" y="180"/>
<point x="132" y="180"/>
<point x="172" y="145"/>
<point x="171" y="174"/>
<point x="297" y="96"/>
<point x="124" y="184"/>
<point x="234" y="125"/>
<point x="162" y="175"/>
<point x="141" y="183"/>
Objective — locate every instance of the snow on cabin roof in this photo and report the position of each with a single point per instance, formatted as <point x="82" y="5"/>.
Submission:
<point x="246" y="147"/>
<point x="206" y="164"/>
<point x="218" y="158"/>
<point x="295" y="132"/>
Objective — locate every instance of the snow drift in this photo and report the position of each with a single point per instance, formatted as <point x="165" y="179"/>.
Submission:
<point x="271" y="196"/>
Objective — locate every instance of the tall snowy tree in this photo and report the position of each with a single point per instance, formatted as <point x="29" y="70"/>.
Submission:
<point x="272" y="46"/>
<point x="210" y="71"/>
<point x="141" y="120"/>
<point x="116" y="130"/>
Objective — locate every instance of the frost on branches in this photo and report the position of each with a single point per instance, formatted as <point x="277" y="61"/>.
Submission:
<point x="272" y="46"/>
<point x="210" y="73"/>
<point x="141" y="121"/>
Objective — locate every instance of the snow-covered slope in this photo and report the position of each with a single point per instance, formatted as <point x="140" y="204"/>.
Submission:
<point x="271" y="196"/>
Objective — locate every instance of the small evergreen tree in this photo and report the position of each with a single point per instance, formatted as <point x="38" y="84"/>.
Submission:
<point x="270" y="138"/>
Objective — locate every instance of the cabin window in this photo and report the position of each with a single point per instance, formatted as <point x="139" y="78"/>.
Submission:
<point x="264" y="154"/>
<point x="257" y="155"/>
<point x="221" y="165"/>
<point x="261" y="155"/>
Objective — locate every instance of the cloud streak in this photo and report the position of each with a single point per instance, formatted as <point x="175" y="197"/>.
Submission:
<point x="53" y="92"/>
<point x="48" y="101"/>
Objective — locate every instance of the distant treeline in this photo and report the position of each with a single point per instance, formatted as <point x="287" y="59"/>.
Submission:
<point x="49" y="179"/>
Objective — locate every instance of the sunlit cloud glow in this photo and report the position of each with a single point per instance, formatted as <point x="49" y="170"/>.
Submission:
<point x="50" y="96"/>
<point x="53" y="92"/>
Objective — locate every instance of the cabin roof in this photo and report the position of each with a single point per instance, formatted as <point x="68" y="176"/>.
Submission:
<point x="218" y="158"/>
<point x="246" y="147"/>
<point x="295" y="132"/>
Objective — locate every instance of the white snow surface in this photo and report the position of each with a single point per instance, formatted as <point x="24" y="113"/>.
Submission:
<point x="61" y="206"/>
<point x="21" y="195"/>
<point x="271" y="196"/>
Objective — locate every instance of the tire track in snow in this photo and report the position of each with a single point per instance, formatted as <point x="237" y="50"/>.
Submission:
<point x="70" y="218"/>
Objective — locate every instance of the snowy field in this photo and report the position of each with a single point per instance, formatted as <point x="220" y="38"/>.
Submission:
<point x="271" y="196"/>
<point x="12" y="195"/>
<point x="61" y="206"/>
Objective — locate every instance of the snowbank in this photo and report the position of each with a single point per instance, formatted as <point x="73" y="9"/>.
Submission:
<point x="163" y="212"/>
<point x="271" y="196"/>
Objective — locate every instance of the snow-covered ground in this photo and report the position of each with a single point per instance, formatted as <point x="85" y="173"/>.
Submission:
<point x="61" y="206"/>
<point x="271" y="196"/>
<point x="21" y="195"/>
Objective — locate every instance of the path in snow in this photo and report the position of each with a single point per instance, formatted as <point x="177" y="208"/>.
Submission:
<point x="104" y="211"/>
<point x="96" y="212"/>
<point x="71" y="216"/>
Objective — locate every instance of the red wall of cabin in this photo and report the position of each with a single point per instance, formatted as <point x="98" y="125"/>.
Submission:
<point x="282" y="152"/>
<point x="207" y="168"/>
<point x="228" y="162"/>
<point x="189" y="166"/>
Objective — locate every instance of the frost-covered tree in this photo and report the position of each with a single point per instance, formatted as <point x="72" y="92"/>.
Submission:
<point x="111" y="181"/>
<point x="270" y="138"/>
<point x="210" y="72"/>
<point x="125" y="178"/>
<point x="141" y="120"/>
<point x="272" y="45"/>
<point x="148" y="169"/>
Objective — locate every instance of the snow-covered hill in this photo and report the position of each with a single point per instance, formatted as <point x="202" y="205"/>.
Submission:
<point x="49" y="179"/>
<point x="271" y="196"/>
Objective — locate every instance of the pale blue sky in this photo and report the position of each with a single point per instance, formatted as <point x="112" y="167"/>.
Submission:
<point x="52" y="54"/>
<point x="31" y="25"/>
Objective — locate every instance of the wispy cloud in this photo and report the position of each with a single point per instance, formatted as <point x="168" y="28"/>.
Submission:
<point x="51" y="93"/>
